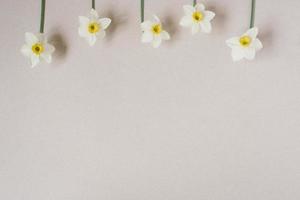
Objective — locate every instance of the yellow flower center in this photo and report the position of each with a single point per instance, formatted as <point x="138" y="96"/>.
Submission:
<point x="156" y="29"/>
<point x="37" y="48"/>
<point x="245" y="41"/>
<point x="198" y="16"/>
<point x="94" y="27"/>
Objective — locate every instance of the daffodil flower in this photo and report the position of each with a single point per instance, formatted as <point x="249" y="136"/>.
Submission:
<point x="197" y="18"/>
<point x="245" y="46"/>
<point x="153" y="32"/>
<point x="93" y="27"/>
<point x="37" y="49"/>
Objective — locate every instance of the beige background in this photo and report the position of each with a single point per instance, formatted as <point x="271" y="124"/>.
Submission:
<point x="124" y="121"/>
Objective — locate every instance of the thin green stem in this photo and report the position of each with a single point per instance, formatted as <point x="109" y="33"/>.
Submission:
<point x="252" y="13"/>
<point x="42" y="24"/>
<point x="93" y="4"/>
<point x="142" y="10"/>
<point x="194" y="2"/>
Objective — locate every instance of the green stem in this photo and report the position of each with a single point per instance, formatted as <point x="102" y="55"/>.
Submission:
<point x="194" y="2"/>
<point x="93" y="4"/>
<point x="142" y="10"/>
<point x="42" y="24"/>
<point x="252" y="14"/>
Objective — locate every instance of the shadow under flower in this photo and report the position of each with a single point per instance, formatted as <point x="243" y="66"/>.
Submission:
<point x="219" y="21"/>
<point x="171" y="25"/>
<point x="117" y="22"/>
<point x="61" y="47"/>
<point x="265" y="35"/>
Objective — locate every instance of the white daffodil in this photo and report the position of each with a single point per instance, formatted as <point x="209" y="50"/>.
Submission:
<point x="245" y="46"/>
<point x="92" y="27"/>
<point x="153" y="32"/>
<point x="37" y="49"/>
<point x="196" y="17"/>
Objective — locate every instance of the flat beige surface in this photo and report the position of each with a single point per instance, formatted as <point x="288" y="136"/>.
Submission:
<point x="124" y="121"/>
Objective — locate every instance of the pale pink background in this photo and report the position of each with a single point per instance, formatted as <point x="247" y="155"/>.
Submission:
<point x="124" y="121"/>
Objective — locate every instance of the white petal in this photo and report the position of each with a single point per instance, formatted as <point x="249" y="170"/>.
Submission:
<point x="49" y="49"/>
<point x="34" y="60"/>
<point x="257" y="44"/>
<point x="47" y="57"/>
<point x="83" y="31"/>
<point x="233" y="42"/>
<point x="101" y="34"/>
<point x="188" y="9"/>
<point x="186" y="21"/>
<point x="31" y="39"/>
<point x="156" y="42"/>
<point x="26" y="50"/>
<point x="195" y="28"/>
<point x="165" y="35"/>
<point x="42" y="38"/>
<point x="94" y="14"/>
<point x="249" y="53"/>
<point x="252" y="32"/>
<point x="83" y="21"/>
<point x="104" y="22"/>
<point x="146" y="25"/>
<point x="206" y="26"/>
<point x="209" y="15"/>
<point x="147" y="37"/>
<point x="156" y="19"/>
<point x="92" y="40"/>
<point x="200" y="7"/>
<point x="237" y="54"/>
